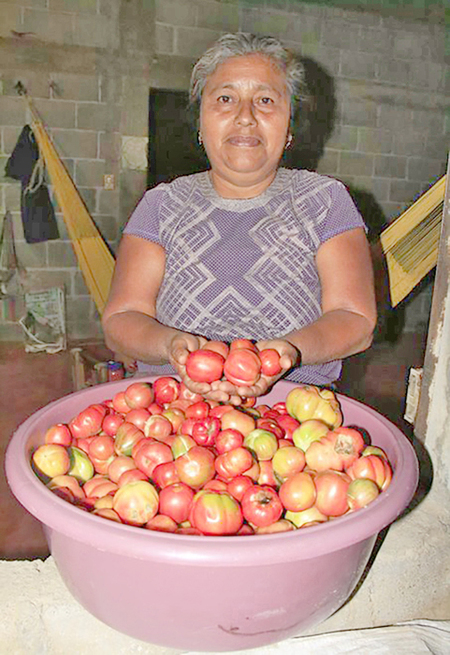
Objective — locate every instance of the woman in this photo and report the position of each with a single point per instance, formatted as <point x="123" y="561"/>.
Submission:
<point x="245" y="249"/>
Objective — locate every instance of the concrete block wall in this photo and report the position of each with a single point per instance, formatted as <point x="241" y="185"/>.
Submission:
<point x="89" y="65"/>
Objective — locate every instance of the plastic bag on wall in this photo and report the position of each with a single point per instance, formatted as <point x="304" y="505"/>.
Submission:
<point x="44" y="321"/>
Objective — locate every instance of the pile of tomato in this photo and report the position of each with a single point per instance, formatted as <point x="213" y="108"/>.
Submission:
<point x="159" y="457"/>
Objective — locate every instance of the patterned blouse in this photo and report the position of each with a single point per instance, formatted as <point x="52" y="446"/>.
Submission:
<point x="244" y="267"/>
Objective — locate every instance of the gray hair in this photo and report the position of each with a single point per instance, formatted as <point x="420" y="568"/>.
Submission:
<point x="240" y="44"/>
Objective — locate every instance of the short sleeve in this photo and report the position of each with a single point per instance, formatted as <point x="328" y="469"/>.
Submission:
<point x="144" y="221"/>
<point x="342" y="214"/>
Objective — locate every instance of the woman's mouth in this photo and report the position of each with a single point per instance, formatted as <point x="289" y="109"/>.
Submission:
<point x="244" y="141"/>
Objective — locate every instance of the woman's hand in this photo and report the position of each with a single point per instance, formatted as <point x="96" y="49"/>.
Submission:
<point x="289" y="356"/>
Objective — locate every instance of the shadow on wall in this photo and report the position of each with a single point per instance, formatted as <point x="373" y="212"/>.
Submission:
<point x="314" y="124"/>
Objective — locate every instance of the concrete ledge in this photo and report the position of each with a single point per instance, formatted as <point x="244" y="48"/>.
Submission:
<point x="408" y="580"/>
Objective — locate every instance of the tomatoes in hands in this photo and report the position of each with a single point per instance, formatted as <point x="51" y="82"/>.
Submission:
<point x="204" y="365"/>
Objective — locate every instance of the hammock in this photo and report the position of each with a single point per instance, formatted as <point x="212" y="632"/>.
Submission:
<point x="94" y="257"/>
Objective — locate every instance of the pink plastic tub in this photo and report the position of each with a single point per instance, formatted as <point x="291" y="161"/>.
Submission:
<point x="208" y="593"/>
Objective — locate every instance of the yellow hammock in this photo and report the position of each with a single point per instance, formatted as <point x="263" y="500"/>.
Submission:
<point x="94" y="257"/>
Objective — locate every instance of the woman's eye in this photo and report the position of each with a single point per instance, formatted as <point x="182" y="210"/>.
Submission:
<point x="266" y="101"/>
<point x="224" y="99"/>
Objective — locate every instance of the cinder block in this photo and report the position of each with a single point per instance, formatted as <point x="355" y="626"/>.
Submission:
<point x="11" y="19"/>
<point x="47" y="279"/>
<point x="329" y="162"/>
<point x="13" y="111"/>
<point x="364" y="18"/>
<point x="427" y="75"/>
<point x="108" y="201"/>
<point x="329" y="58"/>
<point x="303" y="29"/>
<point x="32" y="255"/>
<point x="176" y="12"/>
<point x="217" y="15"/>
<point x="78" y="6"/>
<point x="356" y="163"/>
<point x="76" y="143"/>
<point x="52" y="27"/>
<point x="264" y="22"/>
<point x="192" y="42"/>
<point x="362" y="65"/>
<point x="108" y="228"/>
<point x="390" y="166"/>
<point x="89" y="173"/>
<point x="395" y="117"/>
<point x="436" y="147"/>
<point x="56" y="113"/>
<point x="340" y="34"/>
<point x="358" y="111"/>
<point x="376" y="40"/>
<point x="395" y="71"/>
<point x="408" y="143"/>
<point x="411" y="45"/>
<point x="110" y="149"/>
<point x="429" y="121"/>
<point x="12" y="194"/>
<point x="95" y="31"/>
<point x="11" y="332"/>
<point x="392" y="209"/>
<point x="164" y="39"/>
<point x="61" y="255"/>
<point x="71" y="86"/>
<point x="36" y="83"/>
<point x="422" y="169"/>
<point x="89" y="197"/>
<point x="93" y="115"/>
<point x="344" y="137"/>
<point x="79" y="285"/>
<point x="377" y="186"/>
<point x="133" y="185"/>
<point x="10" y="136"/>
<point x="404" y="191"/>
<point x="374" y="140"/>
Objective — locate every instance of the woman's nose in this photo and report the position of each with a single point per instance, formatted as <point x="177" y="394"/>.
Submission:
<point x="246" y="115"/>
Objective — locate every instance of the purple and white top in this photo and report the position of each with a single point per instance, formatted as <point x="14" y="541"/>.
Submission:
<point x="244" y="268"/>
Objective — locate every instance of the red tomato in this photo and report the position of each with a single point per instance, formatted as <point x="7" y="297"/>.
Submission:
<point x="150" y="455"/>
<point x="88" y="422"/>
<point x="215" y="513"/>
<point x="348" y="443"/>
<point x="238" y="486"/>
<point x="218" y="347"/>
<point x="58" y="434"/>
<point x="228" y="439"/>
<point x="196" y="467"/>
<point x="136" y="502"/>
<point x="216" y="484"/>
<point x="166" y="389"/>
<point x="111" y="423"/>
<point x="361" y="492"/>
<point x="298" y="492"/>
<point x="205" y="431"/>
<point x="321" y="456"/>
<point x="233" y="462"/>
<point x="270" y="362"/>
<point x="289" y="425"/>
<point x="220" y="410"/>
<point x="238" y="420"/>
<point x="283" y="525"/>
<point x="165" y="474"/>
<point x="101" y="447"/>
<point x="139" y="395"/>
<point x="242" y="367"/>
<point x="120" y="404"/>
<point x="175" y="501"/>
<point x="373" y="468"/>
<point x="138" y="417"/>
<point x="243" y="343"/>
<point x="176" y="417"/>
<point x="127" y="436"/>
<point x="261" y="506"/>
<point x="197" y="410"/>
<point x="67" y="482"/>
<point x="266" y="475"/>
<point x="271" y="425"/>
<point x="204" y="365"/>
<point x="119" y="465"/>
<point x="161" y="523"/>
<point x="158" y="426"/>
<point x="331" y="487"/>
<point x="134" y="475"/>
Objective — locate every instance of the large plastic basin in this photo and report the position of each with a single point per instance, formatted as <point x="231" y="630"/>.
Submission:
<point x="208" y="593"/>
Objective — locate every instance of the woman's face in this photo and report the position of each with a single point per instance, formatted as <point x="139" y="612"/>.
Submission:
<point x="244" y="123"/>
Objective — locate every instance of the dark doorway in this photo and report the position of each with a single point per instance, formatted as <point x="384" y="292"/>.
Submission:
<point x="173" y="147"/>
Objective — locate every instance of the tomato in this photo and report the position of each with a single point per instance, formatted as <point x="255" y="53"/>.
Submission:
<point x="196" y="467"/>
<point x="161" y="523"/>
<point x="242" y="367"/>
<point x="138" y="417"/>
<point x="310" y="430"/>
<point x="134" y="475"/>
<point x="331" y="487"/>
<point x="166" y="389"/>
<point x="111" y="423"/>
<point x="204" y="365"/>
<point x="289" y="424"/>
<point x="272" y="425"/>
<point x="233" y="462"/>
<point x="306" y="402"/>
<point x="150" y="455"/>
<point x="348" y="444"/>
<point x="228" y="439"/>
<point x="101" y="447"/>
<point x="58" y="434"/>
<point x="139" y="395"/>
<point x="158" y="426"/>
<point x="67" y="482"/>
<point x="287" y="461"/>
<point x="266" y="475"/>
<point x="127" y="436"/>
<point x="107" y="514"/>
<point x="215" y="513"/>
<point x="321" y="456"/>
<point x="205" y="431"/>
<point x="270" y="362"/>
<point x="282" y="525"/>
<point x="218" y="346"/>
<point x="120" y="404"/>
<point x="119" y="465"/>
<point x="165" y="474"/>
<point x="220" y="410"/>
<point x="361" y="492"/>
<point x="81" y="466"/>
<point x="216" y="484"/>
<point x="176" y="416"/>
<point x="175" y="501"/>
<point x="181" y="444"/>
<point x="261" y="506"/>
<point x="99" y="486"/>
<point x="243" y="343"/>
<point x="238" y="420"/>
<point x="136" y="502"/>
<point x="261" y="442"/>
<point x="198" y="410"/>
<point x="306" y="517"/>
<point x="373" y="468"/>
<point x="238" y="486"/>
<point x="88" y="422"/>
<point x="298" y="492"/>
